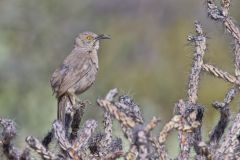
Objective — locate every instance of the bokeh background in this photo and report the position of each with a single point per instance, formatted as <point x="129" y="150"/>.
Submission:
<point x="148" y="56"/>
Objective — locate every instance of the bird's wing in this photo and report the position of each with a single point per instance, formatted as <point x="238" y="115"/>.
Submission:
<point x="57" y="77"/>
<point x="78" y="65"/>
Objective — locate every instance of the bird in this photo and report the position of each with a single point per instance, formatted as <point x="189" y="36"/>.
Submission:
<point x="78" y="71"/>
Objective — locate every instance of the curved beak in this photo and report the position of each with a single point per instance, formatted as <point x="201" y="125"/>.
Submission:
<point x="102" y="36"/>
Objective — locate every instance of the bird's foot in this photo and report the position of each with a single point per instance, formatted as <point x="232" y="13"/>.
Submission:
<point x="82" y="103"/>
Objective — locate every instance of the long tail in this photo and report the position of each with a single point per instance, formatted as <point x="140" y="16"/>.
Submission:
<point x="62" y="103"/>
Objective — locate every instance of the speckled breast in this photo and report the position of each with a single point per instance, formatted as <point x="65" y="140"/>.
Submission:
<point x="87" y="81"/>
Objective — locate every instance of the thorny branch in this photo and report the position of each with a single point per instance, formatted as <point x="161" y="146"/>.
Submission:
<point x="185" y="138"/>
<point x="107" y="117"/>
<point x="221" y="14"/>
<point x="129" y="115"/>
<point x="224" y="110"/>
<point x="7" y="135"/>
<point x="220" y="73"/>
<point x="39" y="148"/>
<point x="230" y="148"/>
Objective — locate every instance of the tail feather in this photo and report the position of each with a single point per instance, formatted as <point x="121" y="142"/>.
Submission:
<point x="62" y="103"/>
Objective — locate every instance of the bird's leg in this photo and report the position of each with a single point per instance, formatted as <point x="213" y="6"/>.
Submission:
<point x="76" y="102"/>
<point x="73" y="98"/>
<point x="82" y="102"/>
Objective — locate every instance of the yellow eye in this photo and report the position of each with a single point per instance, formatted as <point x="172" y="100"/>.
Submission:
<point x="89" y="38"/>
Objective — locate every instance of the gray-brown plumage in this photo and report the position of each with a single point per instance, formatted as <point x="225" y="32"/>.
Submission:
<point x="77" y="72"/>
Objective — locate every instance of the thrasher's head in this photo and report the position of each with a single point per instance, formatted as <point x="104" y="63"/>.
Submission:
<point x="89" y="40"/>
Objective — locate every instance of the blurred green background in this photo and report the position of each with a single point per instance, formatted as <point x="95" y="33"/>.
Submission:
<point x="148" y="56"/>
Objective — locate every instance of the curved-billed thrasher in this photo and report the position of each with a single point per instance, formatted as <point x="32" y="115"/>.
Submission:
<point x="77" y="72"/>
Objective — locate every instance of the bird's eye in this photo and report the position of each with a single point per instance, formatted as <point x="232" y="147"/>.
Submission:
<point x="89" y="38"/>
